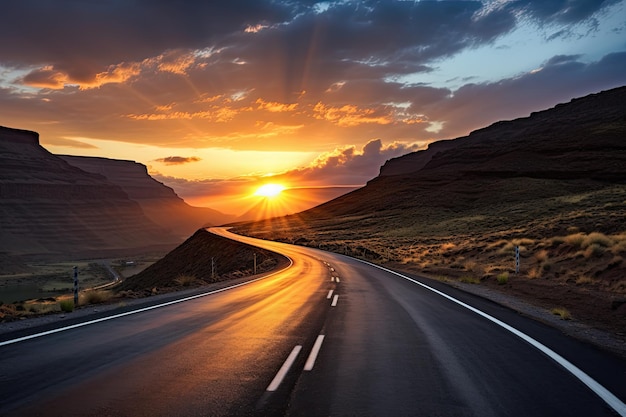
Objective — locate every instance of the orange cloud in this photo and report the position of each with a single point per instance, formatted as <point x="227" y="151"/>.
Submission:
<point x="49" y="77"/>
<point x="175" y="62"/>
<point x="46" y="77"/>
<point x="349" y="115"/>
<point x="275" y="107"/>
<point x="215" y="114"/>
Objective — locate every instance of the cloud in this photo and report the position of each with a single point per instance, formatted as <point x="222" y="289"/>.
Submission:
<point x="345" y="166"/>
<point x="178" y="160"/>
<point x="276" y="75"/>
<point x="348" y="165"/>
<point x="560" y="79"/>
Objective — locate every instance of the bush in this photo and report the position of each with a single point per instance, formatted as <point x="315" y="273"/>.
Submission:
<point x="598" y="239"/>
<point x="185" y="280"/>
<point x="469" y="280"/>
<point x="594" y="250"/>
<point x="67" y="305"/>
<point x="95" y="297"/>
<point x="502" y="278"/>
<point x="561" y="312"/>
<point x="575" y="240"/>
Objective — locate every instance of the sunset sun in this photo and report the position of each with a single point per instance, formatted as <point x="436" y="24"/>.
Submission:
<point x="269" y="190"/>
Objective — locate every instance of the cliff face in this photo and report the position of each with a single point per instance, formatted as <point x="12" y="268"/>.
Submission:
<point x="48" y="206"/>
<point x="159" y="202"/>
<point x="583" y="139"/>
<point x="572" y="148"/>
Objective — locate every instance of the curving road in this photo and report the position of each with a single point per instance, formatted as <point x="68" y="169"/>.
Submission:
<point x="329" y="335"/>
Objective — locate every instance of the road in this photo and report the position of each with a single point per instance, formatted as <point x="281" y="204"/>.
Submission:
<point x="329" y="335"/>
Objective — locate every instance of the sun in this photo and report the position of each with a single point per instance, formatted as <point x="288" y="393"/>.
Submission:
<point x="269" y="190"/>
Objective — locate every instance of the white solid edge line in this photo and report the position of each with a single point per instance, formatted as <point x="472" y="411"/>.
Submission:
<point x="335" y="298"/>
<point x="310" y="362"/>
<point x="330" y="294"/>
<point x="606" y="395"/>
<point x="273" y="386"/>
<point x="141" y="310"/>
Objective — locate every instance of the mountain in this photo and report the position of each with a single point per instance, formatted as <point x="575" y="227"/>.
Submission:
<point x="578" y="145"/>
<point x="552" y="184"/>
<point x="50" y="208"/>
<point x="159" y="202"/>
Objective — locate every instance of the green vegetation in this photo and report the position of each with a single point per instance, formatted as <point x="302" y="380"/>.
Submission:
<point x="469" y="279"/>
<point x="561" y="312"/>
<point x="502" y="278"/>
<point x="67" y="306"/>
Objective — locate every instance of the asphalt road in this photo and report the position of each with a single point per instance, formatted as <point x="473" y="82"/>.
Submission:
<point x="327" y="336"/>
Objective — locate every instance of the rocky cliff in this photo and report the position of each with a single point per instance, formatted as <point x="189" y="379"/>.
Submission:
<point x="49" y="207"/>
<point x="583" y="139"/>
<point x="159" y="202"/>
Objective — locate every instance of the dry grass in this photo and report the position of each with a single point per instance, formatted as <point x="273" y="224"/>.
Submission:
<point x="94" y="297"/>
<point x="541" y="256"/>
<point x="619" y="287"/>
<point x="185" y="280"/>
<point x="468" y="279"/>
<point x="534" y="272"/>
<point x="584" y="280"/>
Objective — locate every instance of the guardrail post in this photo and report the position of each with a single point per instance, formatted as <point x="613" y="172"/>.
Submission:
<point x="75" y="286"/>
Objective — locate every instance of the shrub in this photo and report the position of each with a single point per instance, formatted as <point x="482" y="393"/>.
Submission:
<point x="67" y="305"/>
<point x="534" y="273"/>
<point x="502" y="278"/>
<point x="95" y="297"/>
<point x="593" y="250"/>
<point x="575" y="240"/>
<point x="561" y="312"/>
<point x="541" y="256"/>
<point x="469" y="279"/>
<point x="598" y="239"/>
<point x="584" y="280"/>
<point x="470" y="266"/>
<point x="185" y="280"/>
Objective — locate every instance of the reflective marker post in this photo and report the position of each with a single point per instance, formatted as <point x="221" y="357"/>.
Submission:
<point x="517" y="259"/>
<point x="75" y="286"/>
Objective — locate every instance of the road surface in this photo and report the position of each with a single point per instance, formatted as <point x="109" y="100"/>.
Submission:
<point x="329" y="335"/>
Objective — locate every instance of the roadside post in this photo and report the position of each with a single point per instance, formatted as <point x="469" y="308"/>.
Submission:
<point x="75" y="286"/>
<point x="517" y="260"/>
<point x="254" y="263"/>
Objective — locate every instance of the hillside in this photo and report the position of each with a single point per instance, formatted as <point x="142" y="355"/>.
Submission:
<point x="159" y="202"/>
<point x="202" y="259"/>
<point x="553" y="183"/>
<point x="50" y="208"/>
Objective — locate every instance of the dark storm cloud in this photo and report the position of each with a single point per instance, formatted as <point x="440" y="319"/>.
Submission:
<point x="192" y="73"/>
<point x="81" y="37"/>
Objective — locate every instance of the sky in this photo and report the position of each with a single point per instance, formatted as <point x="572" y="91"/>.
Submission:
<point x="219" y="97"/>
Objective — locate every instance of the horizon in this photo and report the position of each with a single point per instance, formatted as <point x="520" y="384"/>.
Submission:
<point x="224" y="99"/>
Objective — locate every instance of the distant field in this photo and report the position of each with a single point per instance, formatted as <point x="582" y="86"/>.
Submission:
<point x="50" y="279"/>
